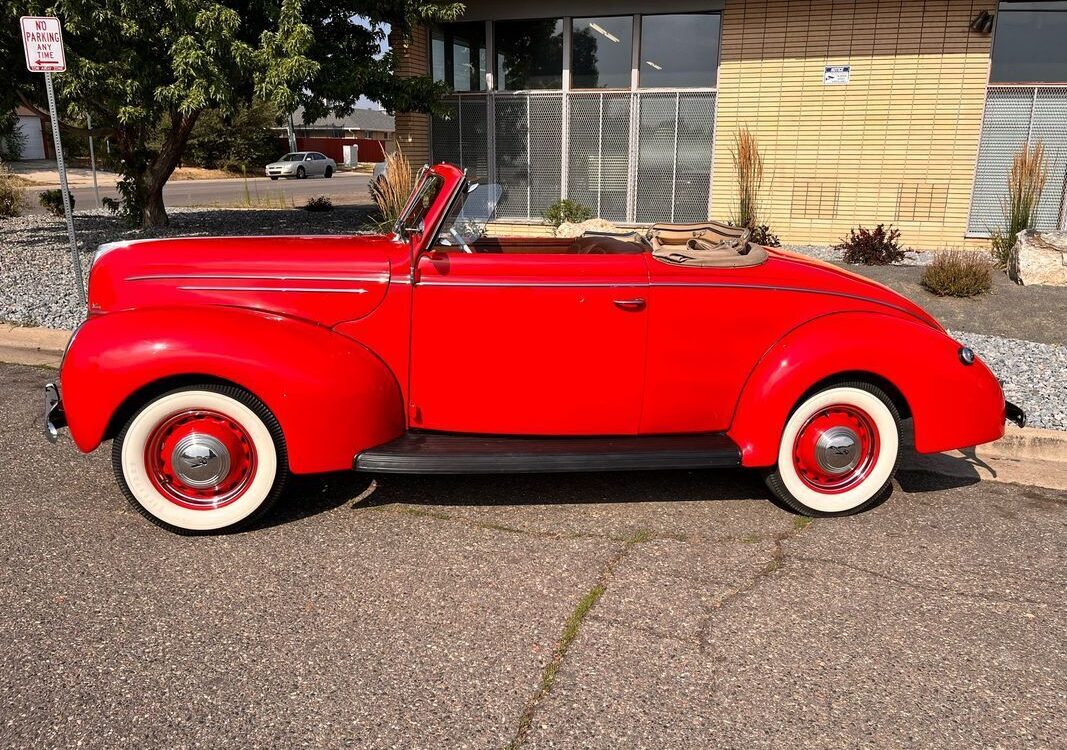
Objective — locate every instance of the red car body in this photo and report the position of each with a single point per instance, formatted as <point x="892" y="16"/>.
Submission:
<point x="354" y="341"/>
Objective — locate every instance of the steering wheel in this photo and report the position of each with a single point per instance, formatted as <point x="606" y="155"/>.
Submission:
<point x="460" y="241"/>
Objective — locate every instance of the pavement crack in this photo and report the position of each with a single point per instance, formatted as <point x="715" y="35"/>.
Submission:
<point x="571" y="629"/>
<point x="774" y="563"/>
<point x="918" y="586"/>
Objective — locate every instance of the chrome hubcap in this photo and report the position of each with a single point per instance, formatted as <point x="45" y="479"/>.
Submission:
<point x="836" y="450"/>
<point x="200" y="461"/>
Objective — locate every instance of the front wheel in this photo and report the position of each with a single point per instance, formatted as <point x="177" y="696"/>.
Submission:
<point x="202" y="459"/>
<point x="838" y="453"/>
<point x="301" y="173"/>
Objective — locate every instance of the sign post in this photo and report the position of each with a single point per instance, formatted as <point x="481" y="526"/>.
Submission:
<point x="42" y="41"/>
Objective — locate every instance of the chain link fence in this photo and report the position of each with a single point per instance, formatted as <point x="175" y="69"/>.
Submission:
<point x="1018" y="116"/>
<point x="629" y="156"/>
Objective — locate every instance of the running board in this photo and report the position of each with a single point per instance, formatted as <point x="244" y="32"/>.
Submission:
<point x="448" y="453"/>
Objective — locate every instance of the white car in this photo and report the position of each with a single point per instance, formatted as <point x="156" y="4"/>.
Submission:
<point x="302" y="164"/>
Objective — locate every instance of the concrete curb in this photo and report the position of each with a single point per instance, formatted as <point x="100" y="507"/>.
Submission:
<point x="22" y="345"/>
<point x="1028" y="455"/>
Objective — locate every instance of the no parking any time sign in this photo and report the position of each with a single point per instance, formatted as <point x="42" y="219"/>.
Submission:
<point x="42" y="39"/>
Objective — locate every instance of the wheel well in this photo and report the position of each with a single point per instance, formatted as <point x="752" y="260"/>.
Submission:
<point x="149" y="391"/>
<point x="864" y="377"/>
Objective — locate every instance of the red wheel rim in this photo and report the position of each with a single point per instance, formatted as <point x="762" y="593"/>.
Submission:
<point x="836" y="448"/>
<point x="200" y="459"/>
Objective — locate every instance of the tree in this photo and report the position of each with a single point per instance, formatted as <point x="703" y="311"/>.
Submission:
<point x="146" y="71"/>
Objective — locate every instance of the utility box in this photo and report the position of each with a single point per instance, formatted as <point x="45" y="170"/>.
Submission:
<point x="351" y="154"/>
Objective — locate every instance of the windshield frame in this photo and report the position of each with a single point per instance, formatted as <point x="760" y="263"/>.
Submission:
<point x="425" y="177"/>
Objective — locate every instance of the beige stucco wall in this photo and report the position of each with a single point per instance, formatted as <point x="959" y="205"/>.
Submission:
<point x="897" y="144"/>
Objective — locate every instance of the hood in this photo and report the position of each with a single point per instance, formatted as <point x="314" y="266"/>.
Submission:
<point x="324" y="279"/>
<point x="793" y="270"/>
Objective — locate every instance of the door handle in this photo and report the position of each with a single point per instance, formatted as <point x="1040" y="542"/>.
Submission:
<point x="637" y="303"/>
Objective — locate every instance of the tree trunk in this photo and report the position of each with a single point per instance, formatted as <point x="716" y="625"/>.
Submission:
<point x="154" y="212"/>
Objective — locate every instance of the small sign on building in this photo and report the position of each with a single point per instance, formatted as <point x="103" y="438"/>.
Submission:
<point x="42" y="40"/>
<point x="836" y="75"/>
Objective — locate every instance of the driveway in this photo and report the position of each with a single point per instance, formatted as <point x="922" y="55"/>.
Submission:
<point x="665" y="610"/>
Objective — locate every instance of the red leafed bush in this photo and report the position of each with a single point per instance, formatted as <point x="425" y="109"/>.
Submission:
<point x="872" y="247"/>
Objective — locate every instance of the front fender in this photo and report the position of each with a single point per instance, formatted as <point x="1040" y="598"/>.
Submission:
<point x="332" y="396"/>
<point x="953" y="405"/>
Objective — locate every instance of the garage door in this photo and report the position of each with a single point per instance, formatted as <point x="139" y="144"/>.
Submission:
<point x="33" y="143"/>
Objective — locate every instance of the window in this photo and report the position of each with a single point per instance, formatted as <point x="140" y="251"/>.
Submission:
<point x="679" y="51"/>
<point x="457" y="55"/>
<point x="602" y="52"/>
<point x="1028" y="46"/>
<point x="529" y="54"/>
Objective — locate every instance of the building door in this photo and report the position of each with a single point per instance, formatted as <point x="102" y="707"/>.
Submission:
<point x="33" y="137"/>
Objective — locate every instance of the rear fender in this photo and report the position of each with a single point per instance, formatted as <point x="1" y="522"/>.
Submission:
<point x="953" y="405"/>
<point x="332" y="396"/>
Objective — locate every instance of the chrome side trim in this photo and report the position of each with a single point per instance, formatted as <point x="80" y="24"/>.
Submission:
<point x="654" y="285"/>
<point x="379" y="279"/>
<point x="270" y="289"/>
<point x="536" y="284"/>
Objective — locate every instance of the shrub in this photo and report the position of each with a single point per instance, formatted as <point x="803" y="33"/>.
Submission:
<point x="52" y="200"/>
<point x="1026" y="183"/>
<point x="748" y="167"/>
<point x="872" y="247"/>
<point x="567" y="211"/>
<point x="391" y="190"/>
<point x="319" y="203"/>
<point x="762" y="235"/>
<point x="958" y="273"/>
<point x="11" y="195"/>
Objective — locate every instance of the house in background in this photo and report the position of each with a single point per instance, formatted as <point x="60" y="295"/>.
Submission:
<point x="35" y="132"/>
<point x="866" y="111"/>
<point x="371" y="130"/>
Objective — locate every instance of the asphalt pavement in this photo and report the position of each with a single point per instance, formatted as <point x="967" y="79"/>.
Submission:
<point x="657" y="610"/>
<point x="344" y="189"/>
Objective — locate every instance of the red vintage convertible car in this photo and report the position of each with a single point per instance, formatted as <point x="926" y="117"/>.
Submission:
<point x="218" y="366"/>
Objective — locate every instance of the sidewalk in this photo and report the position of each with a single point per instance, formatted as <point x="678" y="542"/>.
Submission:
<point x="45" y="174"/>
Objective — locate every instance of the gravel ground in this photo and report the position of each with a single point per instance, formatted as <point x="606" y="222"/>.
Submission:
<point x="828" y="253"/>
<point x="1034" y="375"/>
<point x="37" y="275"/>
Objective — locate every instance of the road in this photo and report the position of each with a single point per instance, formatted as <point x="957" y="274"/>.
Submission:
<point x="433" y="612"/>
<point x="260" y="192"/>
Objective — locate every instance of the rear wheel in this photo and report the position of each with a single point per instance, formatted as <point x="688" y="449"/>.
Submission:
<point x="203" y="459"/>
<point x="328" y="173"/>
<point x="839" y="451"/>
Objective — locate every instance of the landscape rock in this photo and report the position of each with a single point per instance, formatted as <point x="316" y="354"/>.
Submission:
<point x="570" y="229"/>
<point x="1040" y="258"/>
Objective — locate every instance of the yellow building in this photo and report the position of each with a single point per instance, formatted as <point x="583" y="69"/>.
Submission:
<point x="868" y="111"/>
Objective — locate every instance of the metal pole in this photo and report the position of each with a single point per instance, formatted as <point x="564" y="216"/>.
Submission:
<point x="92" y="158"/>
<point x="68" y="212"/>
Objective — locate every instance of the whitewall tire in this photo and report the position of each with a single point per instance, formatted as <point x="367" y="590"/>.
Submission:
<point x="201" y="459"/>
<point x="838" y="451"/>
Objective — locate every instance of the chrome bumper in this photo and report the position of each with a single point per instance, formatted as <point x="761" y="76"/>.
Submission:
<point x="54" y="418"/>
<point x="1014" y="414"/>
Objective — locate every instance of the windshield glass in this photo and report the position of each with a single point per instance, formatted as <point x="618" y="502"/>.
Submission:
<point x="292" y="157"/>
<point x="474" y="208"/>
<point x="422" y="198"/>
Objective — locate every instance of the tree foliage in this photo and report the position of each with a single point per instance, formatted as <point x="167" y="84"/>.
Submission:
<point x="146" y="72"/>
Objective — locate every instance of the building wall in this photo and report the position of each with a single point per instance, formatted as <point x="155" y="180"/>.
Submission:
<point x="897" y="144"/>
<point x="413" y="129"/>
